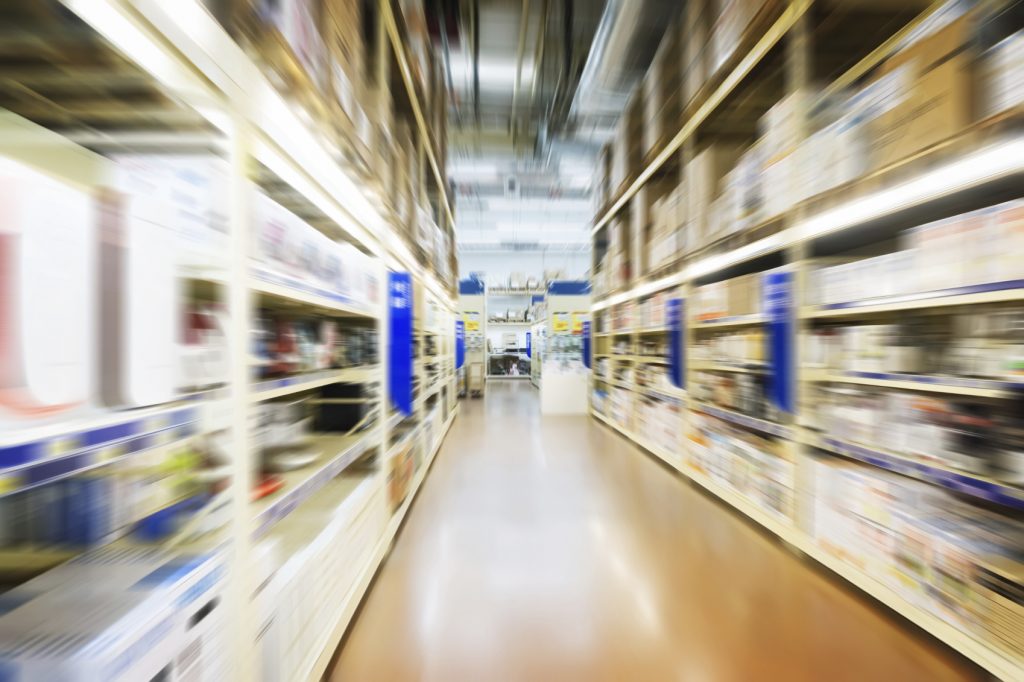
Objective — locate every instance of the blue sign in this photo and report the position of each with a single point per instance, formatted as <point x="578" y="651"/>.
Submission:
<point x="529" y="346"/>
<point x="400" y="348"/>
<point x="677" y="342"/>
<point x="586" y="343"/>
<point x="460" y="344"/>
<point x="777" y="294"/>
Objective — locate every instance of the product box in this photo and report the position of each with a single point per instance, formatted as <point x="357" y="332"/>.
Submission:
<point x="730" y="20"/>
<point x="1003" y="75"/>
<point x="940" y="101"/>
<point x="705" y="177"/>
<point x="662" y="91"/>
<point x="696" y="53"/>
<point x="139" y="614"/>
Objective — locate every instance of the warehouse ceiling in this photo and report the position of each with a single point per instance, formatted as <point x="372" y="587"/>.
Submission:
<point x="536" y="86"/>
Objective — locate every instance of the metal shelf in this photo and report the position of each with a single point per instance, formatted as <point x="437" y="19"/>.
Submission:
<point x="277" y="388"/>
<point x="743" y="420"/>
<point x="996" y="292"/>
<point x="988" y="489"/>
<point x="298" y="293"/>
<point x="339" y="452"/>
<point x="53" y="453"/>
<point x="979" y="388"/>
<point x="732" y="322"/>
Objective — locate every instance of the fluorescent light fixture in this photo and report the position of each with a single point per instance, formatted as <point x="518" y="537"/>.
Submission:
<point x="986" y="165"/>
<point x="494" y="73"/>
<point x="286" y="170"/>
<point x="721" y="261"/>
<point x="113" y="24"/>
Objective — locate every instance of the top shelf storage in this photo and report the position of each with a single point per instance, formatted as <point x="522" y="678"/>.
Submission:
<point x="764" y="159"/>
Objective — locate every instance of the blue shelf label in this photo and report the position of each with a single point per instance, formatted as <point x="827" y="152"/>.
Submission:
<point x="677" y="332"/>
<point x="586" y="343"/>
<point x="400" y="349"/>
<point x="460" y="344"/>
<point x="529" y="345"/>
<point x="778" y="308"/>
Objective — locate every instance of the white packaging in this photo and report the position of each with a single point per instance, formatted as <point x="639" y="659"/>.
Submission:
<point x="1003" y="75"/>
<point x="140" y="292"/>
<point x="138" y="615"/>
<point x="48" y="273"/>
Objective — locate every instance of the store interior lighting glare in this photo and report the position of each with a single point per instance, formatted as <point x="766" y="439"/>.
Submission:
<point x="975" y="169"/>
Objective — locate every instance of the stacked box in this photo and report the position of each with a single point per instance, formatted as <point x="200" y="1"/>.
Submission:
<point x="938" y="103"/>
<point x="730" y="19"/>
<point x="696" y="53"/>
<point x="663" y="92"/>
<point x="644" y="227"/>
<point x="1003" y="75"/>
<point x="340" y="27"/>
<point x="706" y="182"/>
<point x="627" y="147"/>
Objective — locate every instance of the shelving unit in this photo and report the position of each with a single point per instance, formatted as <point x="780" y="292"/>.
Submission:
<point x="744" y="413"/>
<point x="296" y="233"/>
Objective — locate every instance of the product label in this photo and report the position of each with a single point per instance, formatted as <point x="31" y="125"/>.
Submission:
<point x="460" y="344"/>
<point x="674" y="313"/>
<point x="400" y="369"/>
<point x="778" y="309"/>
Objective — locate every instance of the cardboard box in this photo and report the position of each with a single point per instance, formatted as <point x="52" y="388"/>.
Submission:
<point x="940" y="103"/>
<point x="663" y="91"/>
<point x="704" y="177"/>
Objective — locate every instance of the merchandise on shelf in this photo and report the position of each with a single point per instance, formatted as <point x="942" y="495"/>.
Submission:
<point x="320" y="549"/>
<point x="957" y="561"/>
<point x="974" y="436"/>
<point x="658" y="421"/>
<point x="736" y="349"/>
<point x="620" y="407"/>
<point x="137" y="615"/>
<point x="730" y="298"/>
<point x="288" y="250"/>
<point x="48" y="283"/>
<point x="986" y="343"/>
<point x="759" y="469"/>
<point x="967" y="250"/>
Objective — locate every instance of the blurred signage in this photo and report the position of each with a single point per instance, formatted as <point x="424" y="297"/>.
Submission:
<point x="677" y="339"/>
<point x="400" y="346"/>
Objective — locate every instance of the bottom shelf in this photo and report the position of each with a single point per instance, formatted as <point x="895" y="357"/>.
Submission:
<point x="361" y="585"/>
<point x="1002" y="664"/>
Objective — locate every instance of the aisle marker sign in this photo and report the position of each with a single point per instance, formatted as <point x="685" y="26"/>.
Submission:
<point x="529" y="347"/>
<point x="778" y="307"/>
<point x="586" y="343"/>
<point x="460" y="344"/>
<point x="676" y="357"/>
<point x="400" y="348"/>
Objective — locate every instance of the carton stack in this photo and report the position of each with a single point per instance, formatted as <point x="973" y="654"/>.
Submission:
<point x="340" y="26"/>
<point x="669" y="232"/>
<point x="936" y="100"/>
<point x="706" y="181"/>
<point x="663" y="93"/>
<point x="696" y="53"/>
<point x="627" y="152"/>
<point x="644" y="226"/>
<point x="730" y="19"/>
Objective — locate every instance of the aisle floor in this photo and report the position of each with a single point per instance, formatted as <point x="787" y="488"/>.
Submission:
<point x="551" y="549"/>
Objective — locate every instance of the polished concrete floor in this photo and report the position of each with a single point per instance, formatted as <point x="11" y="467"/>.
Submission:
<point x="550" y="549"/>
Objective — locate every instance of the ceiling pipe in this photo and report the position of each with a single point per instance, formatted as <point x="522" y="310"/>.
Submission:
<point x="443" y="25"/>
<point x="624" y="46"/>
<point x="538" y="61"/>
<point x="476" y="61"/>
<point x="523" y="25"/>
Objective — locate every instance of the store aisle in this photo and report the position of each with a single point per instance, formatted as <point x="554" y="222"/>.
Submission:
<point x="550" y="549"/>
